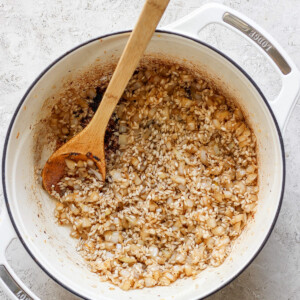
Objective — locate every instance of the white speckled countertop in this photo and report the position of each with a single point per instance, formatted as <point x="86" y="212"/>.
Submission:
<point x="35" y="32"/>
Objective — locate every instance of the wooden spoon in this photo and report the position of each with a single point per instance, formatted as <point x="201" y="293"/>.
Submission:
<point x="89" y="143"/>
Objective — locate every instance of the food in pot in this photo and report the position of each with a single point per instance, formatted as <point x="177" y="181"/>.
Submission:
<point x="181" y="178"/>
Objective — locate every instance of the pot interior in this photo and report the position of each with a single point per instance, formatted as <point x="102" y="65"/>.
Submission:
<point x="33" y="210"/>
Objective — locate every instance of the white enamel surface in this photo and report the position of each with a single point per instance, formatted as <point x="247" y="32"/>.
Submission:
<point x="51" y="245"/>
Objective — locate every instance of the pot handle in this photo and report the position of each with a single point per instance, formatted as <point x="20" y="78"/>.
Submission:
<point x="210" y="13"/>
<point x="9" y="281"/>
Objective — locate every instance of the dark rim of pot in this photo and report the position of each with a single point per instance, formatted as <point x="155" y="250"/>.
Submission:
<point x="125" y="32"/>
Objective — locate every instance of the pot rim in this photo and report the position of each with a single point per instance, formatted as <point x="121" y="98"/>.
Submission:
<point x="7" y="138"/>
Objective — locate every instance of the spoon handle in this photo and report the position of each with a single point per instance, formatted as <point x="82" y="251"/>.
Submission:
<point x="135" y="47"/>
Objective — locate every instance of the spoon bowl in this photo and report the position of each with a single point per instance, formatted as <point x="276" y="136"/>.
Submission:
<point x="55" y="167"/>
<point x="81" y="147"/>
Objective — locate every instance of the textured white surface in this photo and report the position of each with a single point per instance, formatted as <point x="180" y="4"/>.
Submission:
<point x="35" y="32"/>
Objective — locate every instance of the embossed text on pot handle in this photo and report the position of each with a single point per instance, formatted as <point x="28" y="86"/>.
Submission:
<point x="259" y="39"/>
<point x="9" y="280"/>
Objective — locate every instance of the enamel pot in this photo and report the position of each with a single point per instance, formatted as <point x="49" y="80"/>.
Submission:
<point x="28" y="212"/>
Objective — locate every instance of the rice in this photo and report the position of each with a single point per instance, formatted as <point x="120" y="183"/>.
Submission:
<point x="181" y="178"/>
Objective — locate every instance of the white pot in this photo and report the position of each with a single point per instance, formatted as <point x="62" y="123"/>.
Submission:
<point x="50" y="245"/>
